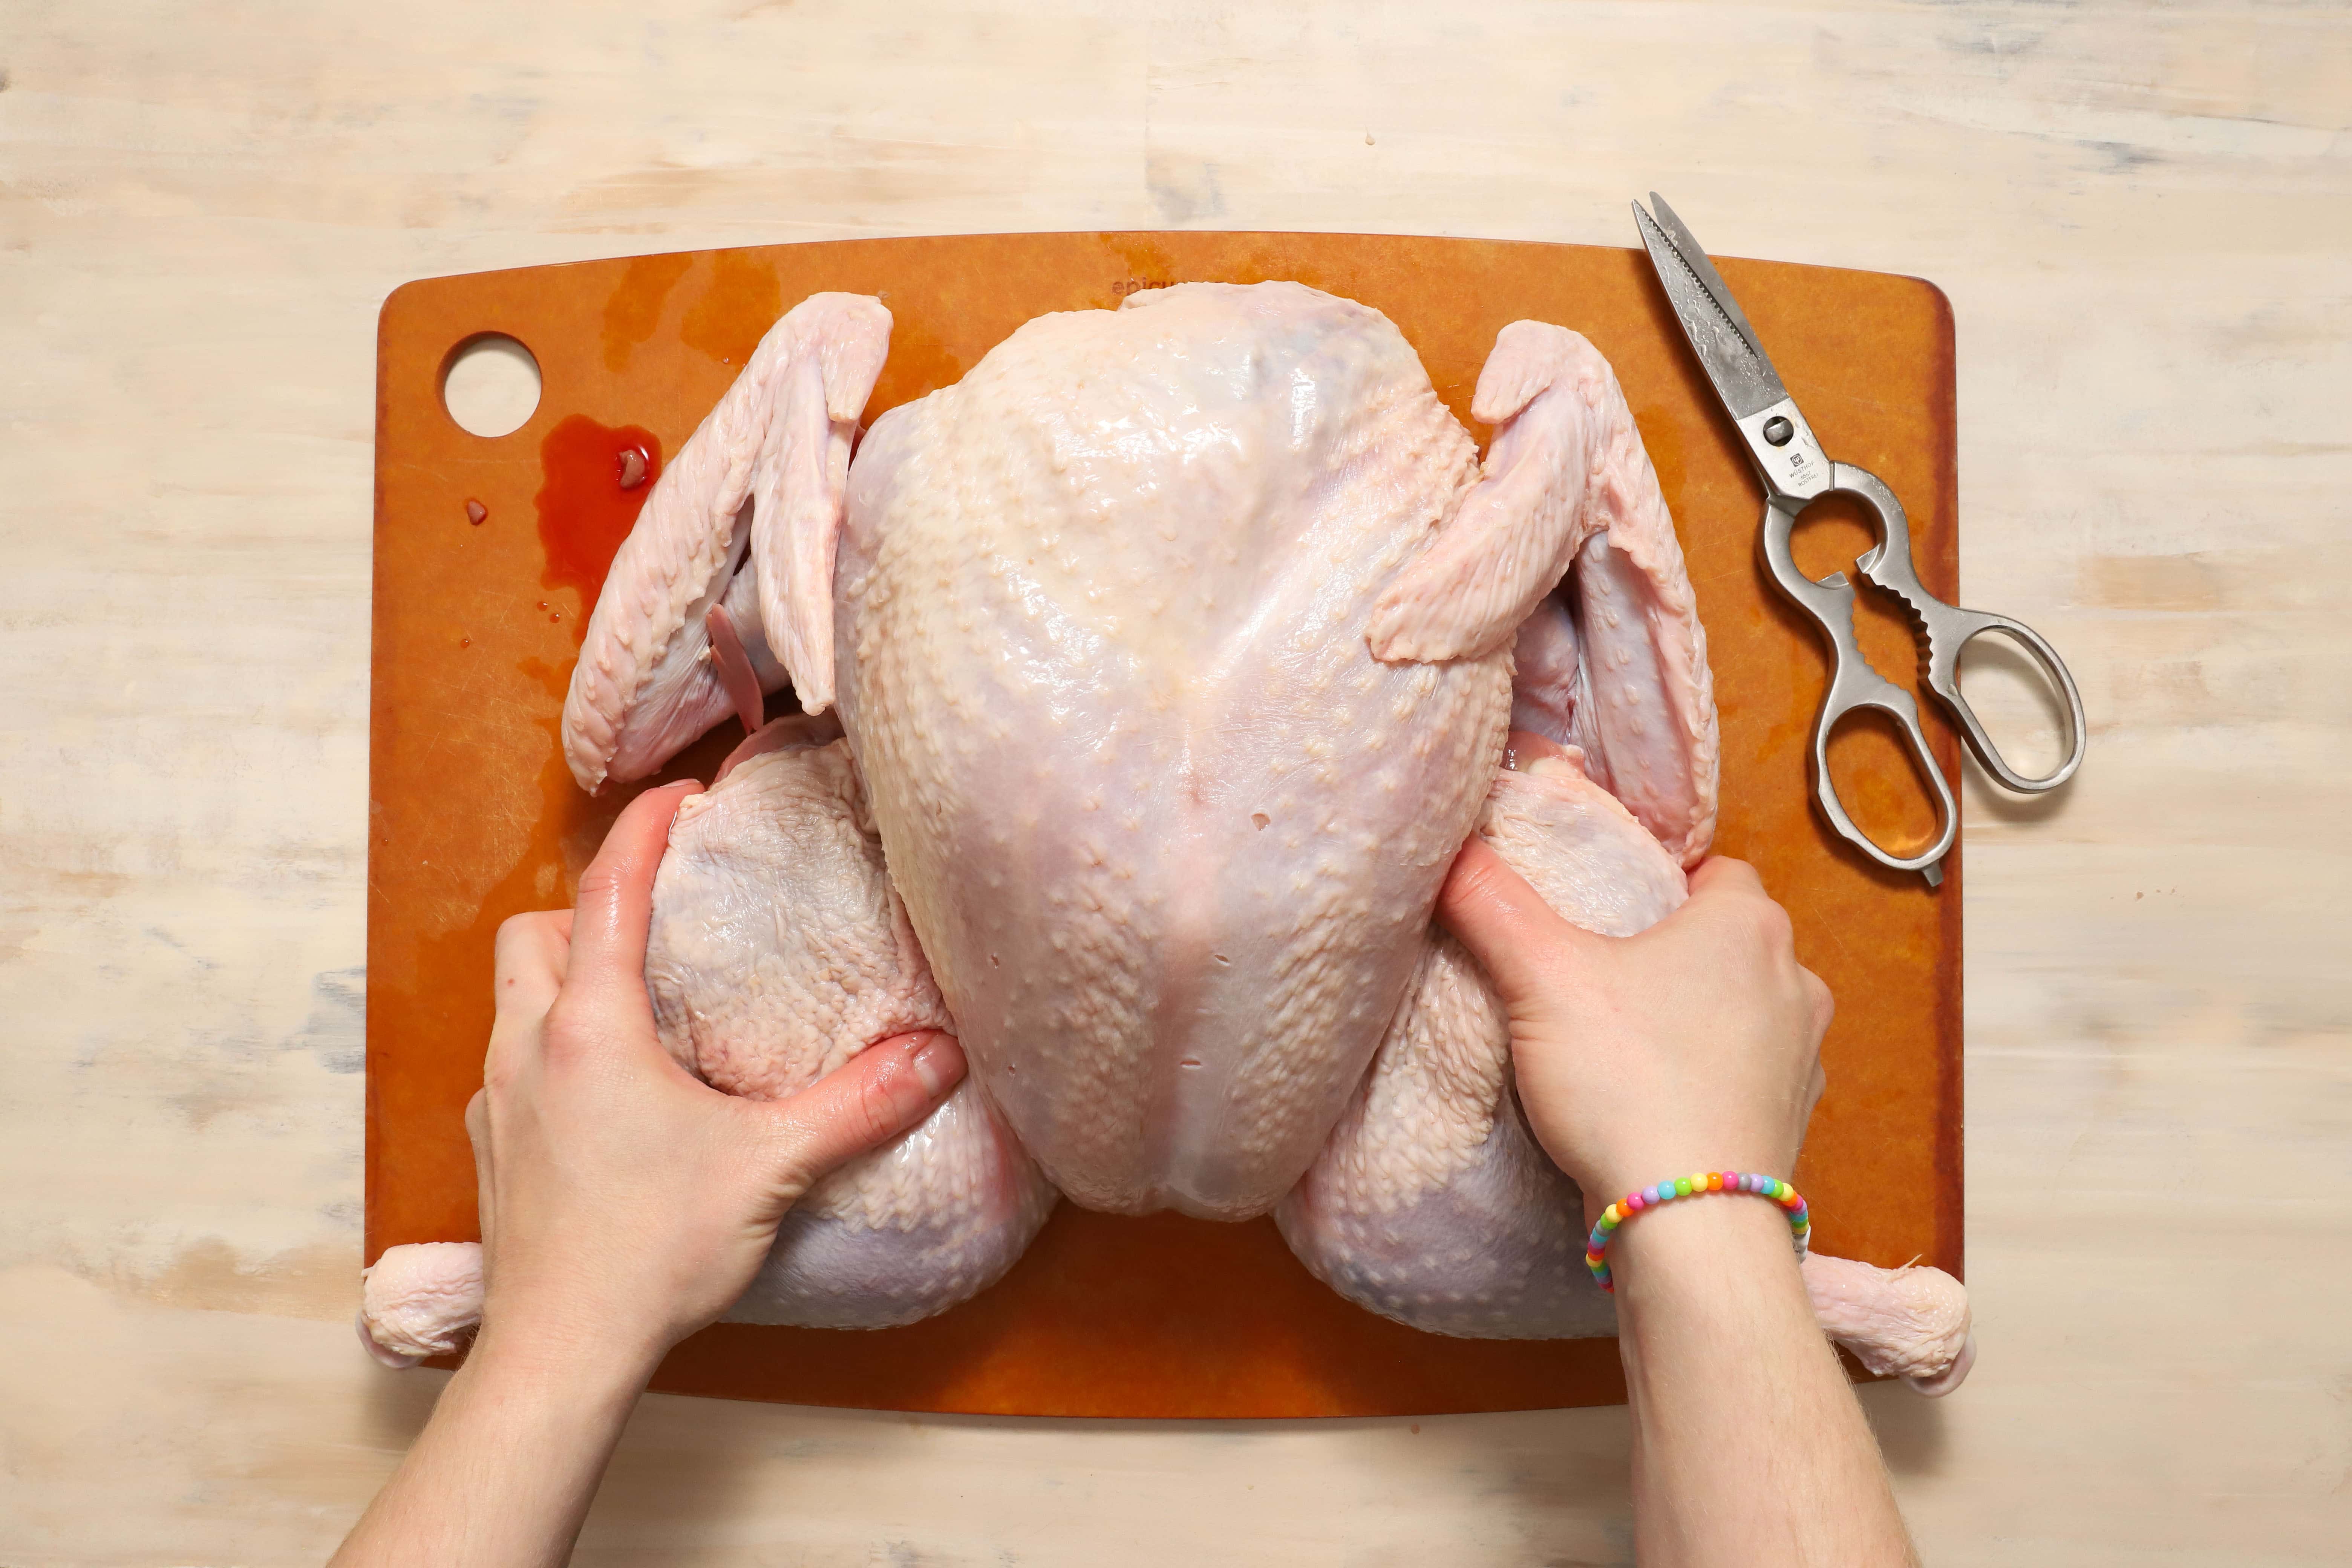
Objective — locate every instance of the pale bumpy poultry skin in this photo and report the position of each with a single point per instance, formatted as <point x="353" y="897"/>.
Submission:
<point x="1911" y="1323"/>
<point x="1175" y="650"/>
<point x="1435" y="1205"/>
<point x="778" y="951"/>
<point x="1168" y="831"/>
<point x="1569" y="484"/>
<point x="1433" y="1202"/>
<point x="420" y="1300"/>
<point x="769" y="460"/>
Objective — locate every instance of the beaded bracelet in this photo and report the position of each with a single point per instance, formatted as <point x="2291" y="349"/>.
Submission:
<point x="1596" y="1245"/>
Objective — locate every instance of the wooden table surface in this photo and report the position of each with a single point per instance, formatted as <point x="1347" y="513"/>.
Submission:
<point x="2143" y="215"/>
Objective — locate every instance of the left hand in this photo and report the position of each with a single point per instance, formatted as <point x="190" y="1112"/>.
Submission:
<point x="623" y="1203"/>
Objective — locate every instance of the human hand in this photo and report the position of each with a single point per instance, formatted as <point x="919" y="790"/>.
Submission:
<point x="625" y="1203"/>
<point x="1695" y="1046"/>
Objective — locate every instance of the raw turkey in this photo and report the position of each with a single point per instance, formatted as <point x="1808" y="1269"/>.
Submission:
<point x="1165" y="661"/>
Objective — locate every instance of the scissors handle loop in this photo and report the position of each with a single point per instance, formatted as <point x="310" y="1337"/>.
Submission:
<point x="1948" y="629"/>
<point x="1852" y="685"/>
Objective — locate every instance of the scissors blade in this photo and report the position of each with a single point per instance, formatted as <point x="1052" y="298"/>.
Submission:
<point x="1711" y="318"/>
<point x="1780" y="442"/>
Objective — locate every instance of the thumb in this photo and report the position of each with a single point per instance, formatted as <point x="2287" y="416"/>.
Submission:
<point x="478" y="1132"/>
<point x="868" y="1101"/>
<point x="1524" y="948"/>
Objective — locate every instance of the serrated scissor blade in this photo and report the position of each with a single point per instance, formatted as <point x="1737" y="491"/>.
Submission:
<point x="1711" y="318"/>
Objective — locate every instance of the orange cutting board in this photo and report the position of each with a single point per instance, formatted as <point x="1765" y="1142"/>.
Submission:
<point x="473" y="816"/>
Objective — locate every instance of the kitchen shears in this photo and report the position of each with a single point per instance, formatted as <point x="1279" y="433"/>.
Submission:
<point x="1796" y="472"/>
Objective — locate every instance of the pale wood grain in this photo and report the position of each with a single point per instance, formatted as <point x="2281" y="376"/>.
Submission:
<point x="2143" y="215"/>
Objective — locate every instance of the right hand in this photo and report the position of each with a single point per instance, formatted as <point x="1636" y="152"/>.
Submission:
<point x="1695" y="1046"/>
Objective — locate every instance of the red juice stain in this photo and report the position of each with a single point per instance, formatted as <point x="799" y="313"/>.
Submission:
<point x="636" y="307"/>
<point x="584" y="512"/>
<point x="742" y="301"/>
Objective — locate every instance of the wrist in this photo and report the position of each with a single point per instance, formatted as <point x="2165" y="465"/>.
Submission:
<point x="1608" y="1182"/>
<point x="522" y="1346"/>
<point x="1726" y="1239"/>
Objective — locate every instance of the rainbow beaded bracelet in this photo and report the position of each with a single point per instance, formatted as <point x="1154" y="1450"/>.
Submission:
<point x="1596" y="1245"/>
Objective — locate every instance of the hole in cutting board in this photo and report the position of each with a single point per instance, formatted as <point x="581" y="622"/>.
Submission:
<point x="489" y="385"/>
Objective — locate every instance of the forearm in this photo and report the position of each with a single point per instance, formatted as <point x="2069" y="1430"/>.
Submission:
<point x="1748" y="1446"/>
<point x="504" y="1471"/>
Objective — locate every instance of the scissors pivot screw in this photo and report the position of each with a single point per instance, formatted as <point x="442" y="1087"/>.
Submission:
<point x="1778" y="430"/>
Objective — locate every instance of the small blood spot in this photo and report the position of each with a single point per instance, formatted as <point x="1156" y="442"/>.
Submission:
<point x="583" y="512"/>
<point x="1261" y="820"/>
<point x="476" y="512"/>
<point x="1189" y="1062"/>
<point x="465" y="642"/>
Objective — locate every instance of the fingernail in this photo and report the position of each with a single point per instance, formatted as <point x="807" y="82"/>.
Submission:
<point x="938" y="1064"/>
